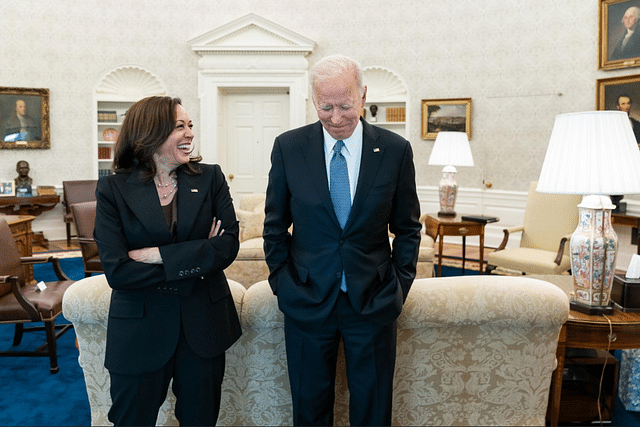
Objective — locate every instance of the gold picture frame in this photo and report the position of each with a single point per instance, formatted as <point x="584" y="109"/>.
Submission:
<point x="611" y="92"/>
<point x="31" y="129"/>
<point x="613" y="50"/>
<point x="7" y="188"/>
<point x="445" y="115"/>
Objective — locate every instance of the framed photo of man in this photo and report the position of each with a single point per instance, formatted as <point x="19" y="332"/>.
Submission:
<point x="621" y="93"/>
<point x="24" y="118"/>
<point x="453" y="115"/>
<point x="618" y="39"/>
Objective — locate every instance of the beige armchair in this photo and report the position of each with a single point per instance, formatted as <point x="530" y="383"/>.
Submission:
<point x="472" y="350"/>
<point x="549" y="221"/>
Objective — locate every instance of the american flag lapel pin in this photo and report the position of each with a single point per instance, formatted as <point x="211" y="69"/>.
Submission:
<point x="194" y="190"/>
<point x="376" y="150"/>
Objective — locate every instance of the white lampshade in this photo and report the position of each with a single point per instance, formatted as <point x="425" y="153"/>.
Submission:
<point x="451" y="149"/>
<point x="592" y="152"/>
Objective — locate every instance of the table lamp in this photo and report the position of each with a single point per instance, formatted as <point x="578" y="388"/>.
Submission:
<point x="594" y="154"/>
<point x="451" y="149"/>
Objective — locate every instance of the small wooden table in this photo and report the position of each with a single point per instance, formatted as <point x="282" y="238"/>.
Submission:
<point x="626" y="220"/>
<point x="32" y="205"/>
<point x="440" y="226"/>
<point x="588" y="331"/>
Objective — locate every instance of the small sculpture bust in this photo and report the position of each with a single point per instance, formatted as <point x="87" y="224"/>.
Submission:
<point x="374" y="111"/>
<point x="23" y="181"/>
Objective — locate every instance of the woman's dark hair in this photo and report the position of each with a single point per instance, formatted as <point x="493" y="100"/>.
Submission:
<point x="146" y="126"/>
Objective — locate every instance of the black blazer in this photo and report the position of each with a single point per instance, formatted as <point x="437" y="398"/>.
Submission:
<point x="306" y="265"/>
<point x="150" y="301"/>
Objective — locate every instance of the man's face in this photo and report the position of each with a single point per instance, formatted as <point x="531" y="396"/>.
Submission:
<point x="629" y="19"/>
<point x="338" y="104"/>
<point x="21" y="108"/>
<point x="23" y="169"/>
<point x="624" y="104"/>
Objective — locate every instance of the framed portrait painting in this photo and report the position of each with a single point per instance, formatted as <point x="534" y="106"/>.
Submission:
<point x="619" y="42"/>
<point x="453" y="115"/>
<point x="24" y="118"/>
<point x="621" y="93"/>
<point x="6" y="188"/>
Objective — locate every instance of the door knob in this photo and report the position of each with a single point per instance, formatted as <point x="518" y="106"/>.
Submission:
<point x="488" y="184"/>
<point x="231" y="177"/>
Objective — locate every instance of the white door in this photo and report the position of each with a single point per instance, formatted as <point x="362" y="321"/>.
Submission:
<point x="253" y="120"/>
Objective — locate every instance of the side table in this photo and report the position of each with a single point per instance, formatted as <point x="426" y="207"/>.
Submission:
<point x="33" y="205"/>
<point x="626" y="220"/>
<point x="440" y="226"/>
<point x="587" y="331"/>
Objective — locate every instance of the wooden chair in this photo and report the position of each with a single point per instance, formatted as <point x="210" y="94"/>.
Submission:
<point x="22" y="303"/>
<point x="84" y="215"/>
<point x="76" y="192"/>
<point x="549" y="221"/>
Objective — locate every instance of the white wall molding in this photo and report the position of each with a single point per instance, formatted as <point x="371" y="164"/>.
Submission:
<point x="250" y="52"/>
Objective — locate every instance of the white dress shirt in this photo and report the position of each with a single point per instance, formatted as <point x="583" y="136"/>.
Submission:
<point x="352" y="152"/>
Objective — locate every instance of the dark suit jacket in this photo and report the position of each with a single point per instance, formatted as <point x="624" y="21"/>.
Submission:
<point x="305" y="266"/>
<point x="631" y="49"/>
<point x="150" y="301"/>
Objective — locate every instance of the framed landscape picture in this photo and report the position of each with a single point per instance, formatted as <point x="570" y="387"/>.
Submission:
<point x="24" y="118"/>
<point x="619" y="42"/>
<point x="453" y="115"/>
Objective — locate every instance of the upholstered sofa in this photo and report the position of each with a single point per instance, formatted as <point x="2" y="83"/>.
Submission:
<point x="472" y="350"/>
<point x="250" y="267"/>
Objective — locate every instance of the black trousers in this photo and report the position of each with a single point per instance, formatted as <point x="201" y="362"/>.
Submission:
<point x="196" y="384"/>
<point x="370" y="354"/>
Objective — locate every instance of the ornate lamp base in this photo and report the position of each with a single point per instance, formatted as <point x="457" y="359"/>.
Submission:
<point x="448" y="190"/>
<point x="591" y="309"/>
<point x="594" y="246"/>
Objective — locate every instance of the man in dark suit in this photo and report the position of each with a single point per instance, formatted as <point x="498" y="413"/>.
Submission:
<point x="624" y="104"/>
<point x="629" y="45"/>
<point x="343" y="185"/>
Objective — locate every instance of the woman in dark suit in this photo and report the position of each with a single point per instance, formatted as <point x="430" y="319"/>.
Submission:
<point x="166" y="229"/>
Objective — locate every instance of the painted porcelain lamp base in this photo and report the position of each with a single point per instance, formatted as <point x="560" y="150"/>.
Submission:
<point x="594" y="247"/>
<point x="448" y="191"/>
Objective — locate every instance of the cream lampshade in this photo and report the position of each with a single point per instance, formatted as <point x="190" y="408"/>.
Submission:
<point x="594" y="154"/>
<point x="451" y="149"/>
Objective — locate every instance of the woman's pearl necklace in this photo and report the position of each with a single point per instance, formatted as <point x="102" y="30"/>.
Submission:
<point x="175" y="185"/>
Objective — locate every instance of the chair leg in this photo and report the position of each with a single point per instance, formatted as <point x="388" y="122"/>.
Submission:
<point x="50" y="328"/>
<point x="19" y="332"/>
<point x="68" y="234"/>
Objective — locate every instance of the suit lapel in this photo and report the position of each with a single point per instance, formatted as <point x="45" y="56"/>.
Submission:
<point x="313" y="153"/>
<point x="192" y="190"/>
<point x="145" y="205"/>
<point x="372" y="153"/>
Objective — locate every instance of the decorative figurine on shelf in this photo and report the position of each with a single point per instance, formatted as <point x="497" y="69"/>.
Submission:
<point x="23" y="181"/>
<point x="374" y="111"/>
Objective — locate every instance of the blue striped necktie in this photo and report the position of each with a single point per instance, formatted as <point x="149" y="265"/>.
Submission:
<point x="340" y="191"/>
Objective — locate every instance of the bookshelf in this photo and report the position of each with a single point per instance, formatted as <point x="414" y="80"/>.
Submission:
<point x="115" y="93"/>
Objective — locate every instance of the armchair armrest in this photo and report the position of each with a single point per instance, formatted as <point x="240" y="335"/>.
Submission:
<point x="41" y="259"/>
<point x="560" y="254"/>
<point x="16" y="289"/>
<point x="505" y="239"/>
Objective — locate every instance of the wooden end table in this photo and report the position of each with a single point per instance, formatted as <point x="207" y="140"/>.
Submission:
<point x="440" y="226"/>
<point x="588" y="331"/>
<point x="31" y="205"/>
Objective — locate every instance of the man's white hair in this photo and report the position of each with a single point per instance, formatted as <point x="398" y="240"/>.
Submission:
<point x="335" y="65"/>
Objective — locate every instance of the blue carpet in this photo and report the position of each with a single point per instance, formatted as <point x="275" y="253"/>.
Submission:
<point x="29" y="394"/>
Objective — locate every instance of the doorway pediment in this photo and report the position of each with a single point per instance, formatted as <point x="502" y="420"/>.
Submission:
<point x="251" y="34"/>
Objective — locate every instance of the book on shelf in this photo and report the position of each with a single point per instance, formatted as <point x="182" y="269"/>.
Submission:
<point x="395" y="114"/>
